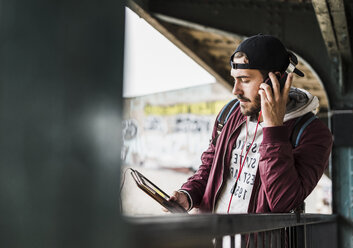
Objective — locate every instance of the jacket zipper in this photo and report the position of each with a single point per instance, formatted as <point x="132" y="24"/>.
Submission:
<point x="226" y="147"/>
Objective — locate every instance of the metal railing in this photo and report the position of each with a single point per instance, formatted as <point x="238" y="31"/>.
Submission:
<point x="256" y="230"/>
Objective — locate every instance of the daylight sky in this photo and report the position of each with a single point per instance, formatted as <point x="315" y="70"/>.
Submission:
<point x="153" y="64"/>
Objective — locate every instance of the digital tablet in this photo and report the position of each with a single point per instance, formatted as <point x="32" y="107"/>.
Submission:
<point x="156" y="193"/>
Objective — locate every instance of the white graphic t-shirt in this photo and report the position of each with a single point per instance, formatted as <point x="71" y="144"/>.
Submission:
<point x="244" y="186"/>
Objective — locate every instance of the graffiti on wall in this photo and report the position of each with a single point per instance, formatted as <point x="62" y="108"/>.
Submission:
<point x="154" y="123"/>
<point x="129" y="133"/>
<point x="173" y="135"/>
<point x="129" y="129"/>
<point x="191" y="123"/>
<point x="200" y="108"/>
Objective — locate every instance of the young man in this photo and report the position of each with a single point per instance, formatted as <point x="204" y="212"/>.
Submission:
<point x="252" y="166"/>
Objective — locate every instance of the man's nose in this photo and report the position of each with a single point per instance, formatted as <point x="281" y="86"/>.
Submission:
<point x="236" y="88"/>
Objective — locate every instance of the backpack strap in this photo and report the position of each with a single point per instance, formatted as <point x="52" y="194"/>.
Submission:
<point x="224" y="116"/>
<point x="299" y="126"/>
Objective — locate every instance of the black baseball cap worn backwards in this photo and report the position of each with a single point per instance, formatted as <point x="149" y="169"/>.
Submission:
<point x="266" y="52"/>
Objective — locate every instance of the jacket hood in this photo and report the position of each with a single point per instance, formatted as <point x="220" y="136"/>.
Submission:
<point x="300" y="103"/>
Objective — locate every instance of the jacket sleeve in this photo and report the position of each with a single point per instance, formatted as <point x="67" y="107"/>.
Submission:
<point x="288" y="175"/>
<point x="196" y="184"/>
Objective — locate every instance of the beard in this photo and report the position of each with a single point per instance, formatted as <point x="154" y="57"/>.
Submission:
<point x="254" y="109"/>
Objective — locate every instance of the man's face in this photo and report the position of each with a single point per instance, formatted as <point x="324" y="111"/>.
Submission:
<point x="246" y="86"/>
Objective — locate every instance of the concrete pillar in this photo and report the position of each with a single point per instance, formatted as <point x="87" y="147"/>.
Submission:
<point x="342" y="170"/>
<point x="60" y="122"/>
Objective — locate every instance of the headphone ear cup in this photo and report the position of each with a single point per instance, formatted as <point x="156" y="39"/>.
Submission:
<point x="282" y="79"/>
<point x="268" y="81"/>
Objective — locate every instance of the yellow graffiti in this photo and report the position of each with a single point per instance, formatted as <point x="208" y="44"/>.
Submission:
<point x="201" y="108"/>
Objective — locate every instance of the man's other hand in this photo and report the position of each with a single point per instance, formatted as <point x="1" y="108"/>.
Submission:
<point x="180" y="198"/>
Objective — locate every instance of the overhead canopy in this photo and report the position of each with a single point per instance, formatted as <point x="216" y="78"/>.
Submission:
<point x="209" y="31"/>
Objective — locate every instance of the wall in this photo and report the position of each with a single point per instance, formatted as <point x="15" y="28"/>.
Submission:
<point x="171" y="129"/>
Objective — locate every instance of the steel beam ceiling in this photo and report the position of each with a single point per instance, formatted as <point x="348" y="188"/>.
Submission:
<point x="294" y="22"/>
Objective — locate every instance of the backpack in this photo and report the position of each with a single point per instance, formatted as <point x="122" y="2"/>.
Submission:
<point x="299" y="126"/>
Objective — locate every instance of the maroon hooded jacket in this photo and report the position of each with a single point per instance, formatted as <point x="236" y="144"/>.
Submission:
<point x="285" y="176"/>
